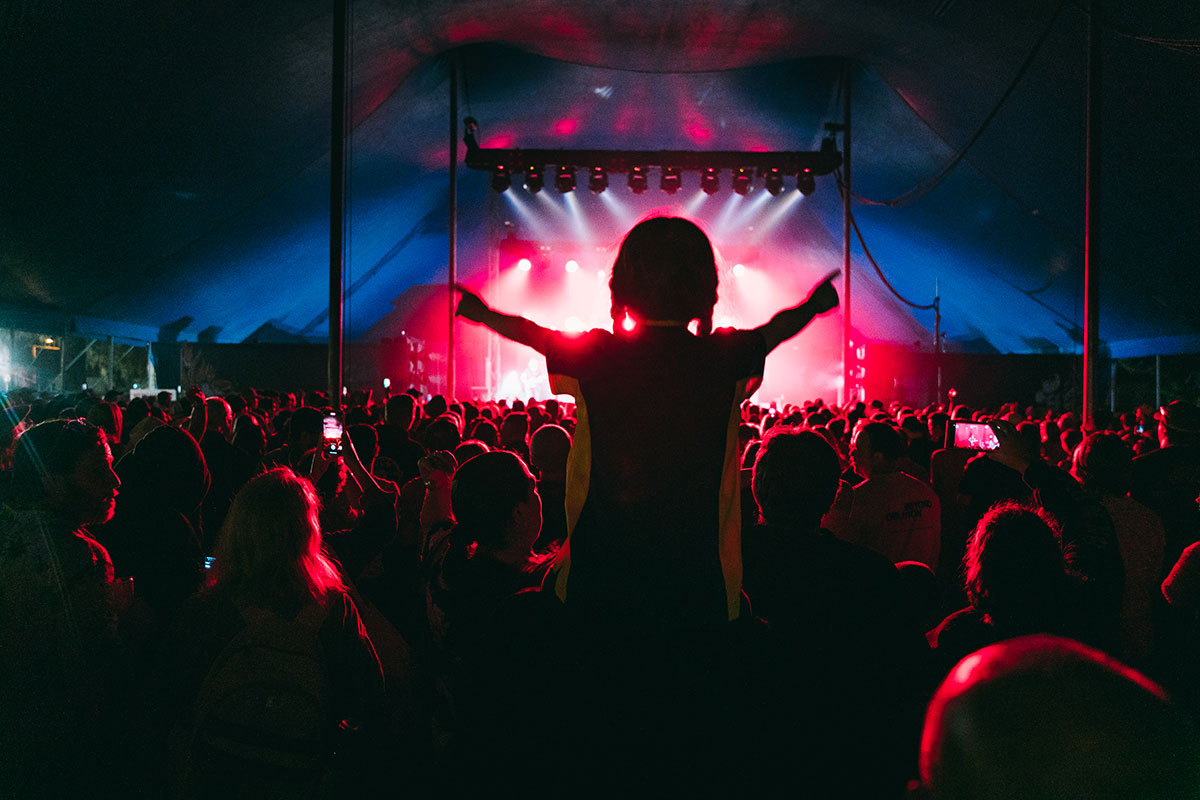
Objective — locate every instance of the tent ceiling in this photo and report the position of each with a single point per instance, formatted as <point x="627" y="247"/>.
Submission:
<point x="165" y="160"/>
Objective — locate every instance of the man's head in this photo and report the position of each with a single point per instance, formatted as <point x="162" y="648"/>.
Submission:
<point x="1040" y="716"/>
<point x="401" y="411"/>
<point x="875" y="448"/>
<point x="1178" y="424"/>
<point x="1103" y="462"/>
<point x="548" y="450"/>
<point x="796" y="477"/>
<point x="65" y="466"/>
<point x="220" y="416"/>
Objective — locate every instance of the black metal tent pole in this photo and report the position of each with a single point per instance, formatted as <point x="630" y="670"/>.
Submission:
<point x="1091" y="214"/>
<point x="337" y="199"/>
<point x="452" y="255"/>
<point x="847" y="384"/>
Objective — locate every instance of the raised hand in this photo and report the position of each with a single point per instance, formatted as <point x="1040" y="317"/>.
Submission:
<point x="1013" y="451"/>
<point x="824" y="297"/>
<point x="470" y="305"/>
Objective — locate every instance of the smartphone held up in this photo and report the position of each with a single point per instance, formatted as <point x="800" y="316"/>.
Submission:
<point x="331" y="435"/>
<point x="974" y="436"/>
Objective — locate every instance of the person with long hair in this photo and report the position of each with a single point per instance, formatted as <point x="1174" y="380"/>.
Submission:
<point x="652" y="497"/>
<point x="271" y="664"/>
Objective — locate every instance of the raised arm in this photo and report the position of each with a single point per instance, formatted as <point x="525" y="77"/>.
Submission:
<point x="790" y="321"/>
<point x="519" y="329"/>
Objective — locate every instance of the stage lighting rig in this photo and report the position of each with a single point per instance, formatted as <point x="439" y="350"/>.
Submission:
<point x="603" y="164"/>
<point x="637" y="179"/>
<point x="670" y="180"/>
<point x="534" y="181"/>
<point x="773" y="180"/>
<point x="805" y="182"/>
<point x="742" y="178"/>
<point x="501" y="179"/>
<point x="565" y="180"/>
<point x="598" y="180"/>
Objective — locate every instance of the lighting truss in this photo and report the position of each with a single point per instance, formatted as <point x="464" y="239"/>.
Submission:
<point x="804" y="166"/>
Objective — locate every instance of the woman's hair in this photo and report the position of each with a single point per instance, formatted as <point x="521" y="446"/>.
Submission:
<point x="665" y="270"/>
<point x="1013" y="568"/>
<point x="269" y="551"/>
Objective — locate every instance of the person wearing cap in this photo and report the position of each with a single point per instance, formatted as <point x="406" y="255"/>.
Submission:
<point x="1167" y="480"/>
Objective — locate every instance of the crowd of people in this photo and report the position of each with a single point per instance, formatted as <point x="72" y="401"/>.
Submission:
<point x="652" y="587"/>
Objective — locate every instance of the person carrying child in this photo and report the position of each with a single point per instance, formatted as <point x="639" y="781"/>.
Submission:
<point x="652" y="482"/>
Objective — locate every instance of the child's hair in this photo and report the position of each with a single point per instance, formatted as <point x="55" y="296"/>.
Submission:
<point x="665" y="270"/>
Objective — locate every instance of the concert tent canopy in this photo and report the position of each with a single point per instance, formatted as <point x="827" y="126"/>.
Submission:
<point x="166" y="166"/>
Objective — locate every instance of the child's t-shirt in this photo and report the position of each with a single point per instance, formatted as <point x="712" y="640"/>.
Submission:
<point x="652" y="481"/>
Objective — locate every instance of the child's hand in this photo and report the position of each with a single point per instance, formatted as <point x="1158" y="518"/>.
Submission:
<point x="823" y="296"/>
<point x="470" y="305"/>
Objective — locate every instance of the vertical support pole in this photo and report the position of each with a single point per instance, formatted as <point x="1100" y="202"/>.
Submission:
<point x="1112" y="386"/>
<point x="1091" y="226"/>
<point x="847" y="382"/>
<point x="1157" y="381"/>
<point x="452" y="271"/>
<point x="937" y="338"/>
<point x="62" y="362"/>
<point x="337" y="200"/>
<point x="112" y="364"/>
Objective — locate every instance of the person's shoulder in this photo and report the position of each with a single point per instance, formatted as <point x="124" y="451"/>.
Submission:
<point x="863" y="559"/>
<point x="565" y="348"/>
<point x="1168" y="457"/>
<point x="964" y="622"/>
<point x="751" y="341"/>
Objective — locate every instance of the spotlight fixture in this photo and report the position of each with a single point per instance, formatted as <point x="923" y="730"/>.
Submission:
<point x="773" y="180"/>
<point x="565" y="180"/>
<point x="637" y="179"/>
<point x="598" y="180"/>
<point x="501" y="179"/>
<point x="533" y="179"/>
<point x="670" y="180"/>
<point x="805" y="182"/>
<point x="742" y="180"/>
<point x="710" y="180"/>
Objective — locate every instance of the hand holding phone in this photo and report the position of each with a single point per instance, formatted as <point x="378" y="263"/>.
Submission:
<point x="974" y="435"/>
<point x="331" y="435"/>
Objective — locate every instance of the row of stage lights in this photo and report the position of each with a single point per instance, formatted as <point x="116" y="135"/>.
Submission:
<point x="670" y="179"/>
<point x="572" y="266"/>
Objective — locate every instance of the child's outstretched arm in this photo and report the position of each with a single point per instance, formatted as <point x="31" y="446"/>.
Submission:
<point x="790" y="321"/>
<point x="519" y="329"/>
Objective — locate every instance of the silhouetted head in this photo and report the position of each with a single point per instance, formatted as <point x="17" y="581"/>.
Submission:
<point x="1040" y="716"/>
<point x="875" y="448"/>
<point x="493" y="497"/>
<point x="65" y="467"/>
<point x="1013" y="568"/>
<point x="796" y="477"/>
<point x="108" y="417"/>
<point x="1104" y="462"/>
<point x="548" y="450"/>
<point x="665" y="270"/>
